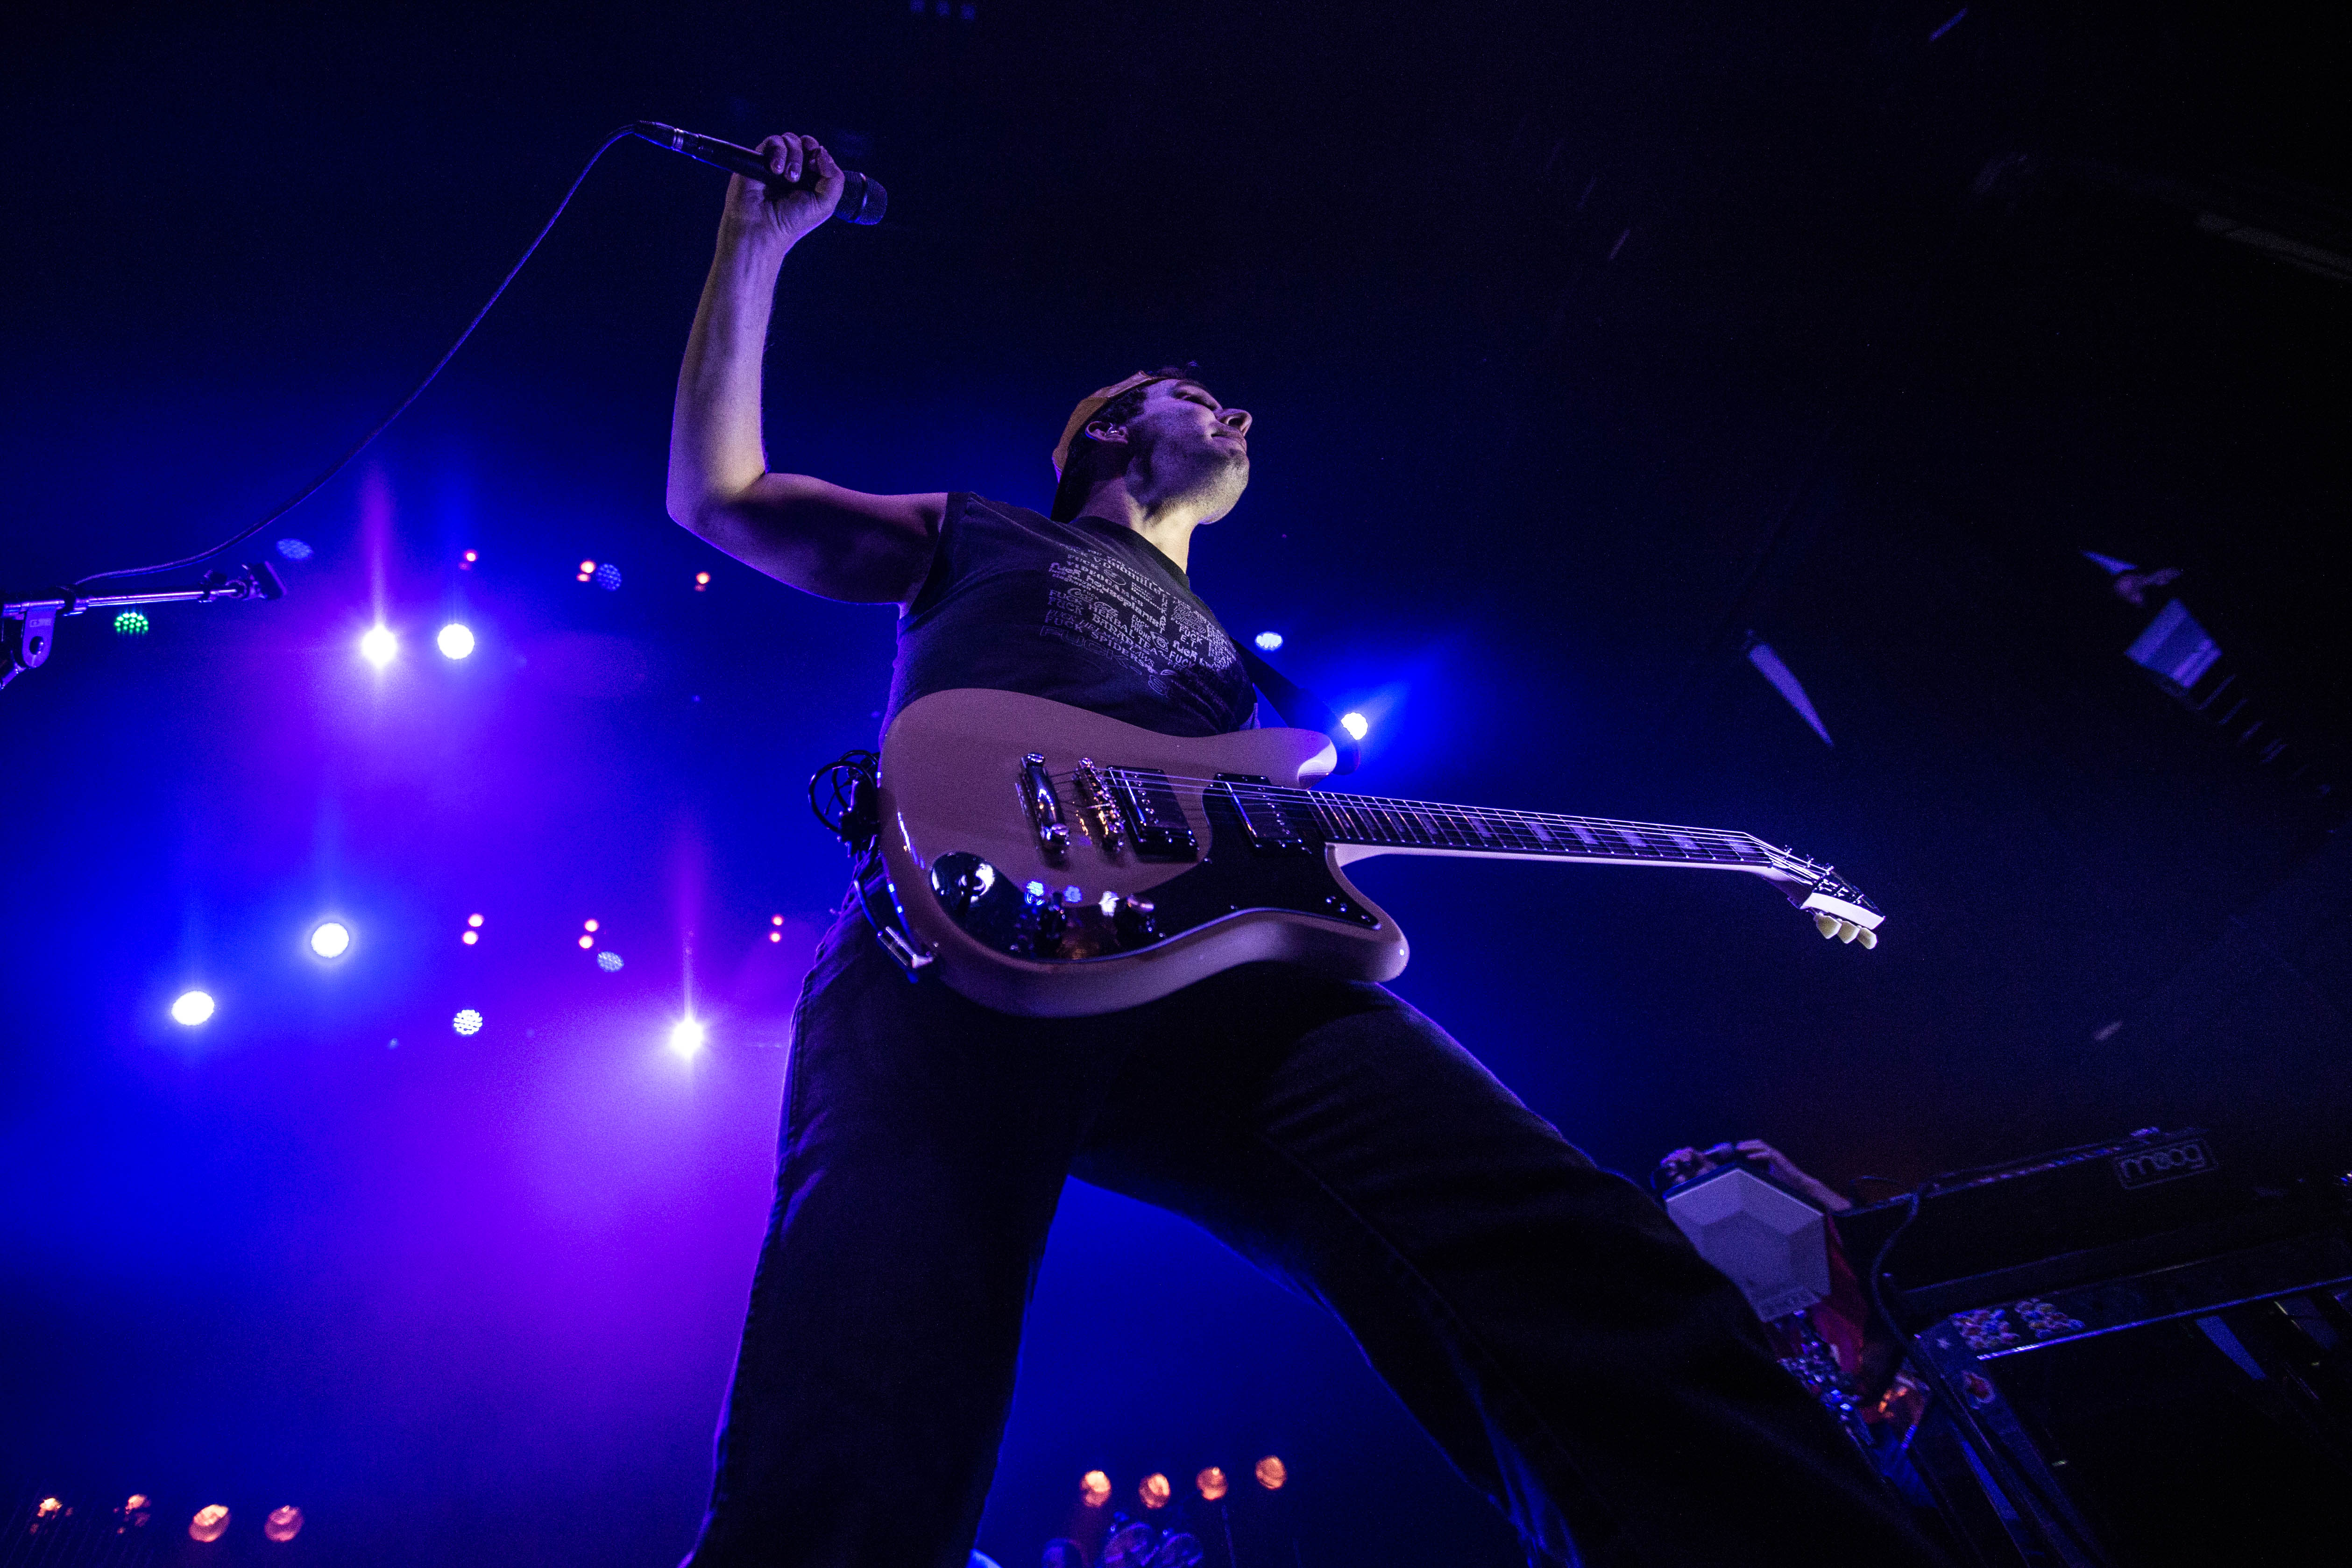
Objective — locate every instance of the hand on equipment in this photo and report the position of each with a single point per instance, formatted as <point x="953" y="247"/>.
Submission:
<point x="790" y="205"/>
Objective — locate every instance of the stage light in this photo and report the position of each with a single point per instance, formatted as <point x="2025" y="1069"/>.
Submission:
<point x="1155" y="1491"/>
<point x="701" y="581"/>
<point x="775" y="936"/>
<point x="283" y="1523"/>
<point x="1356" y="724"/>
<point x="50" y="1508"/>
<point x="331" y="939"/>
<point x="1212" y="1482"/>
<point x="192" y="1007"/>
<point x="608" y="577"/>
<point x="587" y="925"/>
<point x="466" y="1022"/>
<point x="469" y="937"/>
<point x="468" y="563"/>
<point x="455" y="641"/>
<point x="686" y="1037"/>
<point x="131" y="624"/>
<point x="295" y="550"/>
<point x="586" y="569"/>
<point x="210" y="1524"/>
<point x="1271" y="1473"/>
<point x="137" y="1509"/>
<point x="1094" y="1488"/>
<point x="377" y="645"/>
<point x="474" y="921"/>
<point x="1270" y="641"/>
<point x="586" y="942"/>
<point x="608" y="961"/>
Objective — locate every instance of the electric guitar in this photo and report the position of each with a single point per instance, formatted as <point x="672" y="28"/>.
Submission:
<point x="1048" y="861"/>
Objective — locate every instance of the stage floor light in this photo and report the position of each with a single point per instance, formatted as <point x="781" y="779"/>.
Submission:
<point x="377" y="646"/>
<point x="455" y="641"/>
<point x="331" y="939"/>
<point x="192" y="1007"/>
<point x="686" y="1036"/>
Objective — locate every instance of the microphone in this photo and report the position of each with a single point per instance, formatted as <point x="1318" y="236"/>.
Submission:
<point x="863" y="200"/>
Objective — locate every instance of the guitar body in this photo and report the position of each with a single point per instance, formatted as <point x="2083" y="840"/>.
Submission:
<point x="1050" y="862"/>
<point x="953" y="801"/>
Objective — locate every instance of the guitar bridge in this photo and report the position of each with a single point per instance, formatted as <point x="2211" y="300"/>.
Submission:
<point x="1097" y="807"/>
<point x="1044" y="807"/>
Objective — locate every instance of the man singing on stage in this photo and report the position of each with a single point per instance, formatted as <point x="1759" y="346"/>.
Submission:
<point x="1542" y="1319"/>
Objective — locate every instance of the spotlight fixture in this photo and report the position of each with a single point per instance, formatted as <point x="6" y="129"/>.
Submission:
<point x="295" y="549"/>
<point x="586" y="942"/>
<point x="610" y="963"/>
<point x="192" y="1007"/>
<point x="210" y="1524"/>
<point x="1212" y="1482"/>
<point x="1094" y="1488"/>
<point x="587" y="570"/>
<point x="468" y="563"/>
<point x="587" y="925"/>
<point x="131" y="624"/>
<point x="701" y="581"/>
<point x="331" y="939"/>
<point x="469" y="1022"/>
<point x="283" y="1524"/>
<point x="608" y="577"/>
<point x="1356" y="724"/>
<point x="1155" y="1491"/>
<point x="377" y="645"/>
<point x="469" y="937"/>
<point x="1271" y="1473"/>
<point x="1270" y="641"/>
<point x="454" y="640"/>
<point x="474" y="921"/>
<point x="686" y="1036"/>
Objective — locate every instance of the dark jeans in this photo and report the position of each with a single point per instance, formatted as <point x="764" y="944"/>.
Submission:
<point x="1542" y="1319"/>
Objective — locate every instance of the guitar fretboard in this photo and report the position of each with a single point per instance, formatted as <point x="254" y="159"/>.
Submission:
<point x="1423" y="825"/>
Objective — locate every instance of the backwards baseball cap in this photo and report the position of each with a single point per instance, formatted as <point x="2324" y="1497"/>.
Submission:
<point x="1088" y="407"/>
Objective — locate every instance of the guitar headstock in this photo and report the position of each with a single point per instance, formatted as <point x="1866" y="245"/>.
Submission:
<point x="1838" y="908"/>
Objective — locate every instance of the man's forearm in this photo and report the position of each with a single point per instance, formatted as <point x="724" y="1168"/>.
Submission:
<point x="716" y="454"/>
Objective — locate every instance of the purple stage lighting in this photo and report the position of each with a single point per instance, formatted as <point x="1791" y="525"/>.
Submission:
<point x="455" y="641"/>
<point x="192" y="1007"/>
<point x="686" y="1036"/>
<point x="331" y="939"/>
<point x="466" y="1022"/>
<point x="377" y="646"/>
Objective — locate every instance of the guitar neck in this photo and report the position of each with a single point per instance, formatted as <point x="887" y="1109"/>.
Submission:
<point x="1429" y="827"/>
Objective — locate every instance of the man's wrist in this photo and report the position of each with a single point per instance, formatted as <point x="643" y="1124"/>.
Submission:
<point x="751" y="255"/>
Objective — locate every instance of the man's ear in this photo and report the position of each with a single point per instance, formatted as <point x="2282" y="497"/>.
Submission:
<point x="1108" y="434"/>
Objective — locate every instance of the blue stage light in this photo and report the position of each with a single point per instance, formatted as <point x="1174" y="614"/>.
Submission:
<point x="331" y="939"/>
<point x="608" y="961"/>
<point x="466" y="1022"/>
<point x="192" y="1007"/>
<point x="686" y="1036"/>
<point x="455" y="641"/>
<point x="377" y="646"/>
<point x="608" y="577"/>
<point x="1270" y="641"/>
<point x="1356" y="724"/>
<point x="294" y="549"/>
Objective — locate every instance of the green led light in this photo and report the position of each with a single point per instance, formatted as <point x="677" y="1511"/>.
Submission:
<point x="131" y="624"/>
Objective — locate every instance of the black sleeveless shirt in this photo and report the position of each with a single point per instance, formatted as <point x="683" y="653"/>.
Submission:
<point x="1085" y="612"/>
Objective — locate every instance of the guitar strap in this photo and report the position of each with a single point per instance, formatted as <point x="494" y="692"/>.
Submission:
<point x="1301" y="708"/>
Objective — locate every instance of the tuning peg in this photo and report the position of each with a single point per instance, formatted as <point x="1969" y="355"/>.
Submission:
<point x="1826" y="924"/>
<point x="1848" y="931"/>
<point x="1868" y="938"/>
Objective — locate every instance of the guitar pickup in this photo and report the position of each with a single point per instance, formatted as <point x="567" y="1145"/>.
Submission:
<point x="1267" y="826"/>
<point x="1155" y="819"/>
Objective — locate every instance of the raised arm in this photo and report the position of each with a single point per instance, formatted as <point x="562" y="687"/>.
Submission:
<point x="839" y="543"/>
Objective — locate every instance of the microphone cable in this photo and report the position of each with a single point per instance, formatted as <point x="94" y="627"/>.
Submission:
<point x="364" y="442"/>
